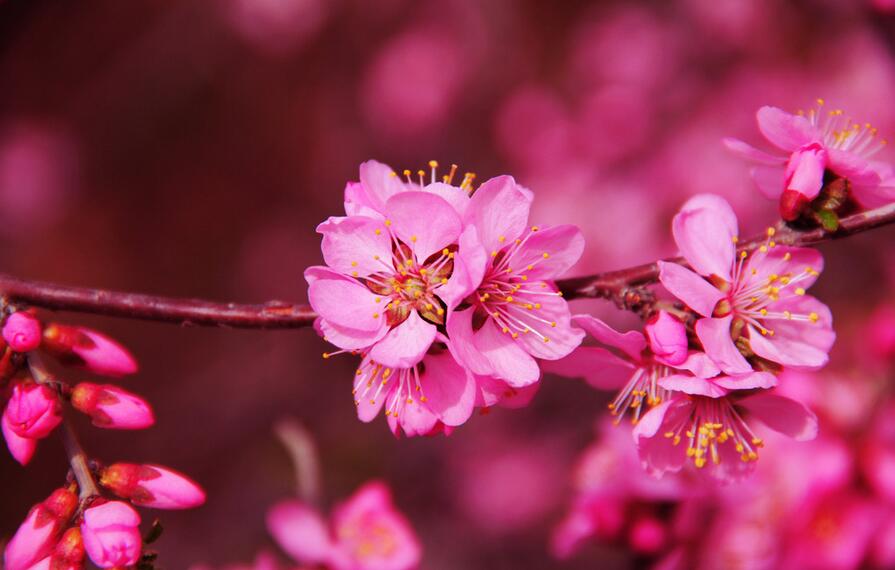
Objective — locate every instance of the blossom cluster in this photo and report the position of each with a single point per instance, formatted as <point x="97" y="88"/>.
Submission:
<point x="445" y="292"/>
<point x="77" y="520"/>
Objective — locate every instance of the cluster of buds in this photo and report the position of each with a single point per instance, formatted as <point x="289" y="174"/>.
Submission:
<point x="92" y="516"/>
<point x="62" y="531"/>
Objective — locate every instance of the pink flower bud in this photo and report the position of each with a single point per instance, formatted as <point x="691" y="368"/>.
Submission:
<point x="152" y="486"/>
<point x="111" y="407"/>
<point x="647" y="535"/>
<point x="111" y="534"/>
<point x="21" y="448"/>
<point x="22" y="332"/>
<point x="667" y="338"/>
<point x="36" y="536"/>
<point x="792" y="203"/>
<point x="68" y="555"/>
<point x="89" y="349"/>
<point x="33" y="410"/>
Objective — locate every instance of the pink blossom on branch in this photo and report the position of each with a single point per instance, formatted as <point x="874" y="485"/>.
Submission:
<point x="111" y="534"/>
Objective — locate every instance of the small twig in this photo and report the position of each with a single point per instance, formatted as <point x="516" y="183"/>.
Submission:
<point x="299" y="443"/>
<point x="283" y="315"/>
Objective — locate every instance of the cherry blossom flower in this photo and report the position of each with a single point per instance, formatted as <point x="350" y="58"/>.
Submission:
<point x="753" y="305"/>
<point x="364" y="533"/>
<point x="817" y="142"/>
<point x="516" y="314"/>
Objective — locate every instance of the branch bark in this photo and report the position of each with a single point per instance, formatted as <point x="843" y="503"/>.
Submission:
<point x="284" y="315"/>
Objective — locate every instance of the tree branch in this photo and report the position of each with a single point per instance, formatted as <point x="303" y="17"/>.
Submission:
<point x="283" y="315"/>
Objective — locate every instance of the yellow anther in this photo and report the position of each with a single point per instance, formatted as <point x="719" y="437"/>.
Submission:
<point x="433" y="164"/>
<point x="413" y="239"/>
<point x="439" y="312"/>
<point x="505" y="330"/>
<point x="375" y="315"/>
<point x="353" y="264"/>
<point x="376" y="300"/>
<point x="546" y="339"/>
<point x="787" y="314"/>
<point x="354" y="273"/>
<point x="502" y="239"/>
<point x="445" y="251"/>
<point x="735" y="239"/>
<point x="535" y="228"/>
<point x="494" y="254"/>
<point x="787" y="256"/>
<point x="423" y="271"/>
<point x="763" y="312"/>
<point x="772" y="244"/>
<point x="388" y="223"/>
<point x="771" y="232"/>
<point x="553" y="324"/>
<point x="800" y="290"/>
<point x="327" y="355"/>
<point x="763" y="249"/>
<point x="546" y="255"/>
<point x="444" y="280"/>
<point x="429" y="306"/>
<point x="509" y="299"/>
<point x="377" y="231"/>
<point x="773" y="277"/>
<point x="537" y="305"/>
<point x="743" y="255"/>
<point x="813" y="317"/>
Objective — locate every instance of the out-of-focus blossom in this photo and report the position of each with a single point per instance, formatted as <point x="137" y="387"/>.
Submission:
<point x="515" y="314"/>
<point x="36" y="537"/>
<point x="111" y="407"/>
<point x="276" y="27"/>
<point x="364" y="533"/>
<point x="89" y="349"/>
<point x="21" y="331"/>
<point x="755" y="301"/>
<point x="879" y="336"/>
<point x="111" y="534"/>
<point x="878" y="454"/>
<point x="534" y="129"/>
<point x="152" y="486"/>
<point x="263" y="561"/>
<point x="817" y="142"/>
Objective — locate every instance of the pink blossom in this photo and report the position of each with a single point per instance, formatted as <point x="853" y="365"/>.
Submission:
<point x="152" y="486"/>
<point x="37" y="536"/>
<point x="515" y="314"/>
<point x="364" y="533"/>
<point x="818" y="142"/>
<point x="33" y="410"/>
<point x="752" y="300"/>
<point x="21" y="331"/>
<point x="89" y="349"/>
<point x="880" y="333"/>
<point x="111" y="407"/>
<point x="111" y="533"/>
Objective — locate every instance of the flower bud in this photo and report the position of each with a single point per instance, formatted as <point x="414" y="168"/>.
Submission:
<point x="667" y="338"/>
<point x="111" y="534"/>
<point x="33" y="410"/>
<point x="68" y="555"/>
<point x="22" y="332"/>
<point x="89" y="349"/>
<point x="21" y="448"/>
<point x="36" y="536"/>
<point x="111" y="407"/>
<point x="792" y="203"/>
<point x="152" y="486"/>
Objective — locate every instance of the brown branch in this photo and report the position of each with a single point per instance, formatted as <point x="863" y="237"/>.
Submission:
<point x="281" y="315"/>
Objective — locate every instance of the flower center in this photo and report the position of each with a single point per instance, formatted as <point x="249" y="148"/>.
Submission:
<point x="711" y="423"/>
<point x="840" y="132"/>
<point x="642" y="387"/>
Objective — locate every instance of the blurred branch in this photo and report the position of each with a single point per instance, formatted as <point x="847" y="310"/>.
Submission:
<point x="622" y="285"/>
<point x="299" y="443"/>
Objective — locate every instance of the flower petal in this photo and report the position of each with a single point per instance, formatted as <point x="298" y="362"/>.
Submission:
<point x="346" y="338"/>
<point x="508" y="360"/>
<point x="352" y="246"/>
<point x="453" y="195"/>
<point x="549" y="316"/>
<point x="704" y="230"/>
<point x="425" y="222"/>
<point x="631" y="343"/>
<point x="692" y="385"/>
<point x="357" y="203"/>
<point x="752" y="154"/>
<point x="347" y="304"/>
<point x="499" y="208"/>
<point x="770" y="180"/>
<point x="783" y="415"/>
<point x="849" y="165"/>
<point x="700" y="365"/>
<point x="799" y="344"/>
<point x="21" y="448"/>
<point x="405" y="344"/>
<point x="714" y="334"/>
<point x="693" y="290"/>
<point x="450" y="390"/>
<point x="469" y="269"/>
<point x="494" y="391"/>
<point x="784" y="130"/>
<point x="599" y="367"/>
<point x="300" y="531"/>
<point x="747" y="381"/>
<point x="805" y="171"/>
<point x="548" y="253"/>
<point x="463" y="343"/>
<point x="380" y="183"/>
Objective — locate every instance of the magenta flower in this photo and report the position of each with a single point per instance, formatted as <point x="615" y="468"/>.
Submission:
<point x="111" y="407"/>
<point x="515" y="314"/>
<point x="37" y="536"/>
<point x="753" y="304"/>
<point x="111" y="533"/>
<point x="21" y="331"/>
<point x="152" y="486"/>
<point x="816" y="143"/>
<point x="88" y="349"/>
<point x="364" y="533"/>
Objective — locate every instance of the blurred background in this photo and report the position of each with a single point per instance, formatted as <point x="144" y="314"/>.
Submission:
<point x="190" y="148"/>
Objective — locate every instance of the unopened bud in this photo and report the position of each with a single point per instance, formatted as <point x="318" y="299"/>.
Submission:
<point x="111" y="407"/>
<point x="22" y="332"/>
<point x="152" y="486"/>
<point x="33" y="410"/>
<point x="89" y="349"/>
<point x="667" y="338"/>
<point x="792" y="204"/>
<point x="111" y="534"/>
<point x="35" y="538"/>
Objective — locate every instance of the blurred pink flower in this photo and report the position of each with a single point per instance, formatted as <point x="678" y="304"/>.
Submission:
<point x="37" y="536"/>
<point x="22" y="332"/>
<point x="879" y="336"/>
<point x="152" y="486"/>
<point x="111" y="533"/>
<point x="111" y="407"/>
<point x="277" y="27"/>
<point x="364" y="533"/>
<point x="817" y="142"/>
<point x="740" y="298"/>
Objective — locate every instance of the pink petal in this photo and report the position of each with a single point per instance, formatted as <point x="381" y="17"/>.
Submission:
<point x="347" y="304"/>
<point x="700" y="365"/>
<point x="346" y="338"/>
<point x="453" y="195"/>
<point x="798" y="344"/>
<point x="770" y="180"/>
<point x="352" y="246"/>
<point x="562" y="246"/>
<point x="405" y="344"/>
<point x="714" y="334"/>
<point x="599" y="367"/>
<point x="805" y="171"/>
<point x="469" y="269"/>
<point x="300" y="531"/>
<point x="369" y="404"/>
<point x="508" y="360"/>
<point x="499" y="208"/>
<point x="649" y="423"/>
<point x="425" y="222"/>
<point x="494" y="391"/>
<point x="463" y="343"/>
<point x="112" y="513"/>
<point x="657" y="454"/>
<point x="380" y="183"/>
<point x="562" y="338"/>
<point x="692" y="385"/>
<point x="21" y="448"/>
<point x="801" y="265"/>
<point x="414" y="419"/>
<point x="693" y="290"/>
<point x="784" y="130"/>
<point x="449" y="389"/>
<point x="752" y="154"/>
<point x="704" y="230"/>
<point x="783" y="415"/>
<point x="357" y="203"/>
<point x="849" y="165"/>
<point x="631" y="343"/>
<point x="747" y="381"/>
